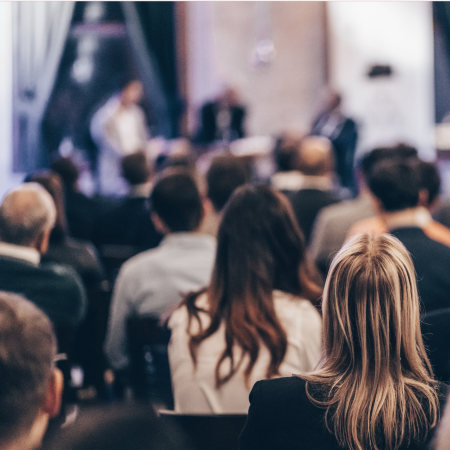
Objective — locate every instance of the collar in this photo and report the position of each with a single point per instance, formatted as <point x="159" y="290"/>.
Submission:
<point x="27" y="254"/>
<point x="411" y="217"/>
<point x="322" y="183"/>
<point x="188" y="237"/>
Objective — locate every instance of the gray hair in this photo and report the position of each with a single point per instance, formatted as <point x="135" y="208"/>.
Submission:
<point x="25" y="213"/>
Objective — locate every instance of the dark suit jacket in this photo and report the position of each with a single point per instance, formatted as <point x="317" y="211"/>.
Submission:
<point x="431" y="261"/>
<point x="281" y="417"/>
<point x="307" y="203"/>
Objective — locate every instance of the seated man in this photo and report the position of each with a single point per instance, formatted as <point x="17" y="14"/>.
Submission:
<point x="315" y="163"/>
<point x="31" y="385"/>
<point x="396" y="184"/>
<point x="333" y="222"/>
<point x="153" y="282"/>
<point x="430" y="184"/>
<point x="129" y="222"/>
<point x="27" y="216"/>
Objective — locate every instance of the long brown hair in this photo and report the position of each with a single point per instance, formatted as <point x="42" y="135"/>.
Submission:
<point x="259" y="248"/>
<point x="374" y="377"/>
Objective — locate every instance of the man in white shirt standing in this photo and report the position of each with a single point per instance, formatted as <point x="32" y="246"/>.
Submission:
<point x="119" y="129"/>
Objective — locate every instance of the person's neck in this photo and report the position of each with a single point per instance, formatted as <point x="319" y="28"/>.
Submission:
<point x="410" y="217"/>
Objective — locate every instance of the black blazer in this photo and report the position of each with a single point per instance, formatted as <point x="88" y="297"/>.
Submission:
<point x="282" y="417"/>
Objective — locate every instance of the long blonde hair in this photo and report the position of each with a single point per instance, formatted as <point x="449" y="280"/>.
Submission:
<point x="374" y="377"/>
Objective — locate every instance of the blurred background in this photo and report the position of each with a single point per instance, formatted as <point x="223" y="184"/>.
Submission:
<point x="62" y="61"/>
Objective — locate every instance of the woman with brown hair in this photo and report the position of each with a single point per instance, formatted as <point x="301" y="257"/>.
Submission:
<point x="256" y="320"/>
<point x="374" y="386"/>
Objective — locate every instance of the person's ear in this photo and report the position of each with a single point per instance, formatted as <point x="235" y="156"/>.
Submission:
<point x="43" y="241"/>
<point x="53" y="396"/>
<point x="423" y="198"/>
<point x="159" y="224"/>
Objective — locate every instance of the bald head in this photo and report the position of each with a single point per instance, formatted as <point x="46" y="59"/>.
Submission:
<point x="27" y="213"/>
<point x="315" y="156"/>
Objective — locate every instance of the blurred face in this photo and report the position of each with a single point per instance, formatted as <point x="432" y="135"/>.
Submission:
<point x="132" y="93"/>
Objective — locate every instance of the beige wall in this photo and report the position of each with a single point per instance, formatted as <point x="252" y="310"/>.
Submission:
<point x="283" y="95"/>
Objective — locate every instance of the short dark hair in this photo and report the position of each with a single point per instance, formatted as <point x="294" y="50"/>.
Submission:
<point x="396" y="183"/>
<point x="176" y="200"/>
<point x="67" y="170"/>
<point x="225" y="174"/>
<point x="431" y="180"/>
<point x="135" y="168"/>
<point x="370" y="159"/>
<point x="27" y="354"/>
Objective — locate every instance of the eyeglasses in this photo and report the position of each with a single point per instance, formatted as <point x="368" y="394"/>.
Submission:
<point x="60" y="357"/>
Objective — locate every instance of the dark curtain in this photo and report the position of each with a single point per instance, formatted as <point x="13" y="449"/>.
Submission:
<point x="158" y="25"/>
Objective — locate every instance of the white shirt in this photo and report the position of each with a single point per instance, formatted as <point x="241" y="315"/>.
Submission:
<point x="194" y="389"/>
<point x="154" y="281"/>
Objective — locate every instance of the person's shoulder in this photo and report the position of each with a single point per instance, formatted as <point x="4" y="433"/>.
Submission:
<point x="58" y="271"/>
<point x="338" y="210"/>
<point x="141" y="261"/>
<point x="277" y="389"/>
<point x="291" y="304"/>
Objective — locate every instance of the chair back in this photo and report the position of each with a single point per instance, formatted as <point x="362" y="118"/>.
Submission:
<point x="150" y="372"/>
<point x="208" y="431"/>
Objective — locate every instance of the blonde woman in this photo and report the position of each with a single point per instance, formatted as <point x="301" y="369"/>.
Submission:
<point x="374" y="386"/>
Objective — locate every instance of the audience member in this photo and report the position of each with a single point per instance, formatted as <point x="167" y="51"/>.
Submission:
<point x="118" y="129"/>
<point x="342" y="131"/>
<point x="429" y="190"/>
<point x="333" y="222"/>
<point x="256" y="319"/>
<point x="122" y="427"/>
<point x="221" y="119"/>
<point x="81" y="211"/>
<point x="396" y="185"/>
<point x="374" y="387"/>
<point x="314" y="161"/>
<point x="152" y="282"/>
<point x="79" y="254"/>
<point x="287" y="177"/>
<point x="27" y="216"/>
<point x="225" y="174"/>
<point x="31" y="386"/>
<point x="129" y="223"/>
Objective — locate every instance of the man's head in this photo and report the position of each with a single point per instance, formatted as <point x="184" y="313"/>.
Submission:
<point x="68" y="171"/>
<point x="27" y="216"/>
<point x="225" y="174"/>
<point x="396" y="183"/>
<point x="177" y="203"/>
<point x="31" y="386"/>
<point x="286" y="149"/>
<point x="135" y="168"/>
<point x="315" y="156"/>
<point x="132" y="93"/>
<point x="371" y="159"/>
